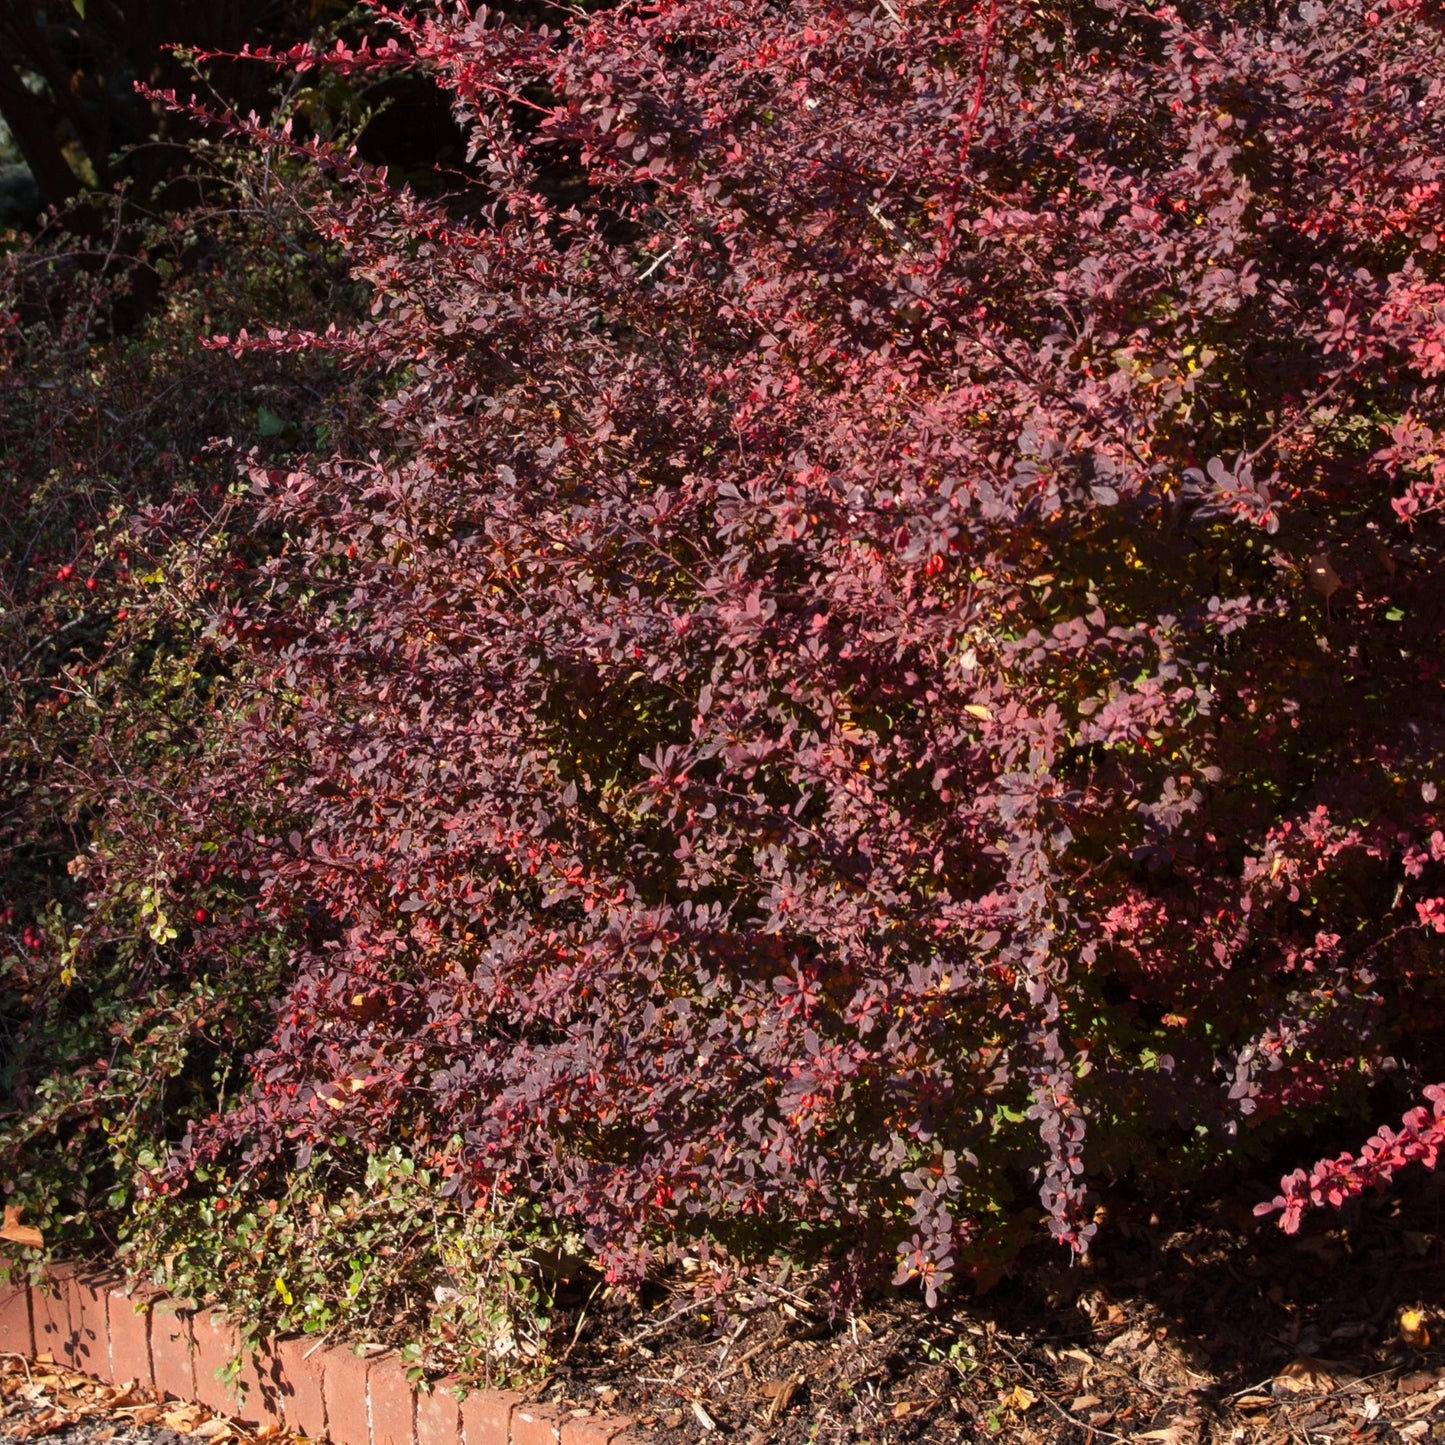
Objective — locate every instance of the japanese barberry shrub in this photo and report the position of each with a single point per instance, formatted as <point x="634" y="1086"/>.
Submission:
<point x="885" y="666"/>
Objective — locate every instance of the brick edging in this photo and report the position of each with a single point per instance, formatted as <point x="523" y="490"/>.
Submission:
<point x="91" y="1322"/>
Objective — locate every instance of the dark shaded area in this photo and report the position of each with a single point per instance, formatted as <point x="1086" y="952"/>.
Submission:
<point x="67" y="93"/>
<point x="67" y="84"/>
<point x="414" y="132"/>
<point x="1194" y="1319"/>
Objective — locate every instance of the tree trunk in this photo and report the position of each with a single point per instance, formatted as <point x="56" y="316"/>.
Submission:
<point x="32" y="122"/>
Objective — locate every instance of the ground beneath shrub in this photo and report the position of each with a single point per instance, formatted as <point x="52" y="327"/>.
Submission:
<point x="1205" y="1325"/>
<point x="1209" y="1326"/>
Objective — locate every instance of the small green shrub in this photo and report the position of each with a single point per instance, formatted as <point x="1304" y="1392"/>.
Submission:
<point x="372" y="1245"/>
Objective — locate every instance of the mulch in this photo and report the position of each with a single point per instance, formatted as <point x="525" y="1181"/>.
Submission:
<point x="1201" y="1325"/>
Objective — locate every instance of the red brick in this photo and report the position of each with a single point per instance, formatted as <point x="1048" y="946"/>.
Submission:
<point x="295" y="1368"/>
<point x="218" y="1343"/>
<point x="537" y="1425"/>
<point x="17" y="1334"/>
<point x="173" y="1366"/>
<point x="393" y="1402"/>
<point x="89" y="1325"/>
<point x="438" y="1415"/>
<point x="594" y="1429"/>
<point x="347" y="1418"/>
<point x="130" y="1337"/>
<point x="259" y="1386"/>
<point x="259" y="1402"/>
<point x="241" y="1395"/>
<point x="487" y="1417"/>
<point x="50" y="1310"/>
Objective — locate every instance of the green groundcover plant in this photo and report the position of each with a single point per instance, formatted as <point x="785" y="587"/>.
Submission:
<point x="875" y="663"/>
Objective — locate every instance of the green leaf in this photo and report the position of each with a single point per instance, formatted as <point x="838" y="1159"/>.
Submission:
<point x="268" y="423"/>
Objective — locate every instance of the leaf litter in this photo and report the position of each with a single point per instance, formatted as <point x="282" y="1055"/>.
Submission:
<point x="40" y="1399"/>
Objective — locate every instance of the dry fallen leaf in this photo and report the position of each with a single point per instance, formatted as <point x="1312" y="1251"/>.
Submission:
<point x="218" y="1429"/>
<point x="1084" y="1402"/>
<point x="1305" y="1376"/>
<point x="1414" y="1332"/>
<point x="779" y="1394"/>
<point x="30" y="1429"/>
<point x="1018" y="1399"/>
<point x="18" y="1233"/>
<point x="703" y="1418"/>
<point x="142" y="1414"/>
<point x="1129" y="1343"/>
<point x="183" y="1419"/>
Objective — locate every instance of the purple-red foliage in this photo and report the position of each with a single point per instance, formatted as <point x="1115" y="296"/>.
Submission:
<point x="874" y="660"/>
<point x="1332" y="1181"/>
